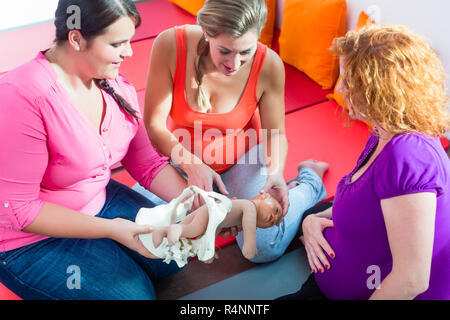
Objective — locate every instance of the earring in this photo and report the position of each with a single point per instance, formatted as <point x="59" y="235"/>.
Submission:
<point x="77" y="48"/>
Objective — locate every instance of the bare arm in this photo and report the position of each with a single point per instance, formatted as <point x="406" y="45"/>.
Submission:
<point x="325" y="214"/>
<point x="168" y="183"/>
<point x="60" y="222"/>
<point x="272" y="112"/>
<point x="244" y="211"/>
<point x="159" y="97"/>
<point x="249" y="248"/>
<point x="158" y="103"/>
<point x="410" y="227"/>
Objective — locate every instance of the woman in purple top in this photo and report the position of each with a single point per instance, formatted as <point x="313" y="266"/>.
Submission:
<point x="387" y="234"/>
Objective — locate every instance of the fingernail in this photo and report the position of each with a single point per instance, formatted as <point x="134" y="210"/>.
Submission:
<point x="332" y="255"/>
<point x="327" y="266"/>
<point x="321" y="270"/>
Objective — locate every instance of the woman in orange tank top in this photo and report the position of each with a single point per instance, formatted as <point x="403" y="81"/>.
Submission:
<point x="215" y="96"/>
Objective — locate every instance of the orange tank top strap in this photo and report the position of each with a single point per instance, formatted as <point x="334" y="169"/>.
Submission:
<point x="180" y="69"/>
<point x="250" y="95"/>
<point x="243" y="118"/>
<point x="239" y="117"/>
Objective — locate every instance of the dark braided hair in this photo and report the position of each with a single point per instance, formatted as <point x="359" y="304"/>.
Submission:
<point x="103" y="84"/>
<point x="95" y="17"/>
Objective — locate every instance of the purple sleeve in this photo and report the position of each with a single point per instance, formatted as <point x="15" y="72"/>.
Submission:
<point x="409" y="164"/>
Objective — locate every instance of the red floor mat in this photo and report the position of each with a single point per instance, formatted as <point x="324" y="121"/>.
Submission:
<point x="123" y="177"/>
<point x="319" y="133"/>
<point x="135" y="68"/>
<point x="445" y="143"/>
<point x="328" y="140"/>
<point x="301" y="91"/>
<point x="159" y="15"/>
<point x="141" y="100"/>
<point x="6" y="294"/>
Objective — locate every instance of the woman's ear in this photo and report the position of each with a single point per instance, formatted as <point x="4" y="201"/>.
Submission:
<point x="76" y="40"/>
<point x="205" y="35"/>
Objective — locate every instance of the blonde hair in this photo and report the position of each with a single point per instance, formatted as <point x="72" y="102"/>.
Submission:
<point x="394" y="79"/>
<point x="233" y="17"/>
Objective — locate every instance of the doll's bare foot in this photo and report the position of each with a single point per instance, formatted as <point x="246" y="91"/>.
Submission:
<point x="318" y="167"/>
<point x="174" y="233"/>
<point x="158" y="235"/>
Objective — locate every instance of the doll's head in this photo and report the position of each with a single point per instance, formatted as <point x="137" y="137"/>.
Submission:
<point x="268" y="210"/>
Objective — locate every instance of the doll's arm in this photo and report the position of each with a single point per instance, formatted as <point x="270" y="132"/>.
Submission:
<point x="249" y="249"/>
<point x="243" y="212"/>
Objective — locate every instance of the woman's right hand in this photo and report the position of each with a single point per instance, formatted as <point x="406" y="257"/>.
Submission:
<point x="315" y="243"/>
<point x="127" y="233"/>
<point x="203" y="176"/>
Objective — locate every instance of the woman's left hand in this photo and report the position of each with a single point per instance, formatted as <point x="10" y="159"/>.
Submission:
<point x="277" y="188"/>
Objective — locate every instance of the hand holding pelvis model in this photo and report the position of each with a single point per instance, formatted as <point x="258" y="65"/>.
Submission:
<point x="173" y="230"/>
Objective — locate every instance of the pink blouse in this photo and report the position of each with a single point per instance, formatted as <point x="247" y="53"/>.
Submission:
<point x="52" y="153"/>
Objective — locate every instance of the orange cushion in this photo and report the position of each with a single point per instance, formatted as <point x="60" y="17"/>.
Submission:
<point x="307" y="32"/>
<point x="267" y="31"/>
<point x="191" y="6"/>
<point x="336" y="96"/>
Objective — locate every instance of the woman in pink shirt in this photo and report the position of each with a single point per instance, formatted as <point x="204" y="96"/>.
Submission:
<point x="66" y="228"/>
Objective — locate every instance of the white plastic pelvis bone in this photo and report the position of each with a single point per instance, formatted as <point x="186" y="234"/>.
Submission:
<point x="174" y="212"/>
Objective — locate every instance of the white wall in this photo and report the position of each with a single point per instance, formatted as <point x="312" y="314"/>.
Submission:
<point x="16" y="14"/>
<point x="429" y="18"/>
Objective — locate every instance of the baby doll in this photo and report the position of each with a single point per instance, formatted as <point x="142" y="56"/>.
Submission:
<point x="262" y="211"/>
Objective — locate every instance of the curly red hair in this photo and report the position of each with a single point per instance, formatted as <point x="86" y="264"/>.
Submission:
<point x="394" y="79"/>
